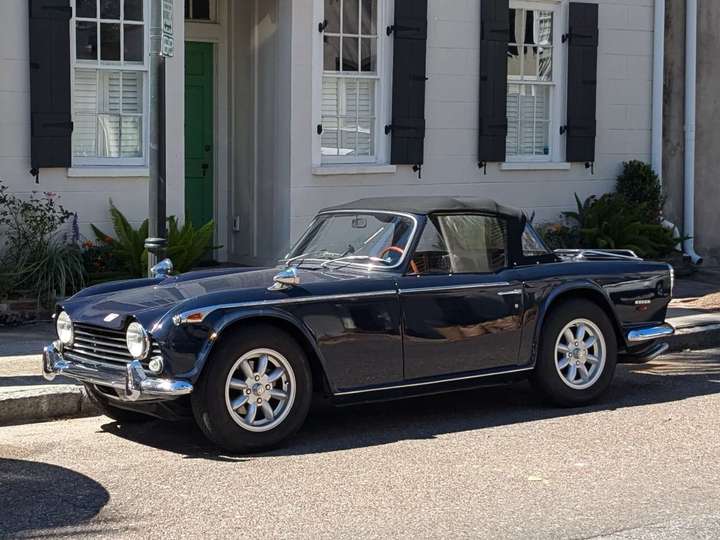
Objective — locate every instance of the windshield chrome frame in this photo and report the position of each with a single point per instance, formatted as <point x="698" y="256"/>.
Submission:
<point x="369" y="266"/>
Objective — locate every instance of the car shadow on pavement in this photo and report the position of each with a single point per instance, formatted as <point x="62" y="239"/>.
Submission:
<point x="328" y="429"/>
<point x="37" y="497"/>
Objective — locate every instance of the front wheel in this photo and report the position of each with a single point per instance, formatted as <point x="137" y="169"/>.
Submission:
<point x="255" y="390"/>
<point x="577" y="355"/>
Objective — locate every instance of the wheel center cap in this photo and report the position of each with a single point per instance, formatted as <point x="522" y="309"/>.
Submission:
<point x="258" y="389"/>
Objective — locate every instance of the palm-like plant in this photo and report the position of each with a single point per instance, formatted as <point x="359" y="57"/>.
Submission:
<point x="128" y="244"/>
<point x="188" y="245"/>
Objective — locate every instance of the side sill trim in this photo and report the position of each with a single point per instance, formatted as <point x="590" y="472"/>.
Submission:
<point x="647" y="334"/>
<point x="449" y="380"/>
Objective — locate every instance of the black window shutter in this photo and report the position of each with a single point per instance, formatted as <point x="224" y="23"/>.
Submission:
<point x="409" y="76"/>
<point x="494" y="33"/>
<point x="582" y="82"/>
<point x="51" y="119"/>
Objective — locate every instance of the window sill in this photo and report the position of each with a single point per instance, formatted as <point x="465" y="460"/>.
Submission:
<point x="534" y="166"/>
<point x="108" y="172"/>
<point x="353" y="168"/>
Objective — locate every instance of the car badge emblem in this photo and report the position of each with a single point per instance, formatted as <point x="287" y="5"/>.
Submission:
<point x="111" y="317"/>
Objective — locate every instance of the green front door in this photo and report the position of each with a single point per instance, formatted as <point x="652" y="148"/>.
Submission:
<point x="199" y="132"/>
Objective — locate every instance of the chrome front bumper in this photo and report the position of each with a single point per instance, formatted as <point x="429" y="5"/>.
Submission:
<point x="131" y="382"/>
<point x="648" y="334"/>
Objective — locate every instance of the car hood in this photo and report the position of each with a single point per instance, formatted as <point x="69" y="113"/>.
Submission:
<point x="148" y="303"/>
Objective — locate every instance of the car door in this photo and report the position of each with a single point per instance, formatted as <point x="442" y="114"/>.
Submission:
<point x="461" y="304"/>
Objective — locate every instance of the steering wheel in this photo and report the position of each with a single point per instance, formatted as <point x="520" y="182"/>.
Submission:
<point x="401" y="251"/>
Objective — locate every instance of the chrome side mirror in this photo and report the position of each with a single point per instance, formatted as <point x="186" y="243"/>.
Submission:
<point x="162" y="269"/>
<point x="285" y="279"/>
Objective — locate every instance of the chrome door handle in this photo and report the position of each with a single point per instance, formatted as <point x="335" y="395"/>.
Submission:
<point x="510" y="293"/>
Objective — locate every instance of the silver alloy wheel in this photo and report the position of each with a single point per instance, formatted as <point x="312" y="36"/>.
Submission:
<point x="260" y="390"/>
<point x="580" y="354"/>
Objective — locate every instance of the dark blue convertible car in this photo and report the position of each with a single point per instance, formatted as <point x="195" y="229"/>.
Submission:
<point x="380" y="299"/>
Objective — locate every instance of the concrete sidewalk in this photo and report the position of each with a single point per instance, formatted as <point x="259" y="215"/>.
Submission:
<point x="25" y="396"/>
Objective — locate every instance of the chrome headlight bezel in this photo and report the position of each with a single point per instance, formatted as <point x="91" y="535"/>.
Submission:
<point x="137" y="341"/>
<point x="65" y="328"/>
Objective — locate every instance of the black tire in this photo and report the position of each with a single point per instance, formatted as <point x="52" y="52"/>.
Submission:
<point x="547" y="377"/>
<point x="208" y="399"/>
<point x="122" y="416"/>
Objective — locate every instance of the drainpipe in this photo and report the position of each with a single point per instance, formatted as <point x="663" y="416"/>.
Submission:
<point x="690" y="112"/>
<point x="657" y="91"/>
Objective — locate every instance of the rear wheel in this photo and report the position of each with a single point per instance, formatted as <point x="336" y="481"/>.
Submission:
<point x="255" y="391"/>
<point x="578" y="354"/>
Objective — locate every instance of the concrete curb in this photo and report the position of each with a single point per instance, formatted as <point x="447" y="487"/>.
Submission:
<point x="695" y="337"/>
<point x="42" y="403"/>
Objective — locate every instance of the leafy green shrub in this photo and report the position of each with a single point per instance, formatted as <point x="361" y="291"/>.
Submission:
<point x="640" y="187"/>
<point x="559" y="236"/>
<point x="187" y="246"/>
<point x="611" y="222"/>
<point x="35" y="259"/>
<point x="128" y="246"/>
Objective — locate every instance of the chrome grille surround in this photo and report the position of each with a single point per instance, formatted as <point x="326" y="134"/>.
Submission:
<point x="103" y="346"/>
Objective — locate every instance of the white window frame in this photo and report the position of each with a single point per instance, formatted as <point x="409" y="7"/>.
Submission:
<point x="383" y="89"/>
<point x="106" y="65"/>
<point x="213" y="13"/>
<point x="558" y="94"/>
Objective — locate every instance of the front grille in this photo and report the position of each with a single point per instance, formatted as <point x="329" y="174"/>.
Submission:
<point x="93" y="345"/>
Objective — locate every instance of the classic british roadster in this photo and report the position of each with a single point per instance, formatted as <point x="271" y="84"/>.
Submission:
<point x="379" y="299"/>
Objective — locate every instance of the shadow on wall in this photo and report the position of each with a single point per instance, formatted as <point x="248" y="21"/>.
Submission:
<point x="37" y="497"/>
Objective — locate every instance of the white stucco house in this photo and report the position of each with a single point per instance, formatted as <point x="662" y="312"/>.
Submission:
<point x="277" y="108"/>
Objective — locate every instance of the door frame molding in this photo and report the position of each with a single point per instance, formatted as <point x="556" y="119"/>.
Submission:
<point x="217" y="33"/>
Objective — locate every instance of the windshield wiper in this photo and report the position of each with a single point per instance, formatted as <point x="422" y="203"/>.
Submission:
<point x="350" y="258"/>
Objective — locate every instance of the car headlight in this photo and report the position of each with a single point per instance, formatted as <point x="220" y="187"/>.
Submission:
<point x="64" y="326"/>
<point x="138" y="342"/>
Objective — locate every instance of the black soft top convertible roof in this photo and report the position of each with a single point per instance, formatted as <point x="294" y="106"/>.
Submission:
<point x="428" y="205"/>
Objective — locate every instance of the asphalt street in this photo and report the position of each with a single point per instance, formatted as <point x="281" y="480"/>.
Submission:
<point x="492" y="463"/>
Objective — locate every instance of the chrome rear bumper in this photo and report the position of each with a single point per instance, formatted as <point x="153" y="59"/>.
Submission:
<point x="131" y="381"/>
<point x="648" y="334"/>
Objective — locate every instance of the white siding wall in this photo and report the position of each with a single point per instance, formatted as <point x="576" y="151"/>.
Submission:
<point x="88" y="196"/>
<point x="623" y="116"/>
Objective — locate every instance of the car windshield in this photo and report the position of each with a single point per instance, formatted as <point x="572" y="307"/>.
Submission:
<point x="346" y="238"/>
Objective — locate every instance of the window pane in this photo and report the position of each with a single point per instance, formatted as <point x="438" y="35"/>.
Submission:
<point x="332" y="16"/>
<point x="110" y="88"/>
<point x="332" y="53"/>
<point x="132" y="92"/>
<point x="476" y="244"/>
<point x="110" y="9"/>
<point x="348" y="136"/>
<point x="365" y="144"/>
<point x="86" y="40"/>
<point x="542" y="29"/>
<point x="201" y="10"/>
<point x="532" y="246"/>
<point x="350" y="54"/>
<point x="366" y="98"/>
<point x="108" y="142"/>
<point x="513" y="18"/>
<point x="131" y="136"/>
<point x="534" y="120"/>
<point x="86" y="8"/>
<point x="85" y="98"/>
<point x="84" y="136"/>
<point x="329" y="139"/>
<point x="133" y="10"/>
<point x="351" y="11"/>
<point x="134" y="42"/>
<point x="369" y="54"/>
<point x="330" y="96"/>
<point x="544" y="64"/>
<point x="109" y="41"/>
<point x="369" y="17"/>
<point x="513" y="118"/>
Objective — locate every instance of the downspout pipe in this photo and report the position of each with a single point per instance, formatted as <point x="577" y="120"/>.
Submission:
<point x="657" y="90"/>
<point x="691" y="13"/>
